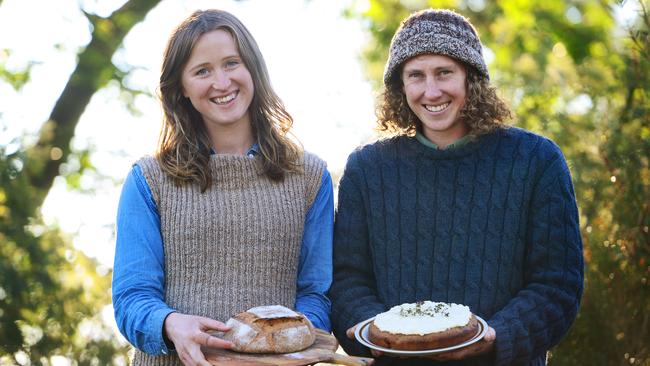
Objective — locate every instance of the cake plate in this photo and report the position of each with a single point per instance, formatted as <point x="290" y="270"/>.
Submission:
<point x="361" y="334"/>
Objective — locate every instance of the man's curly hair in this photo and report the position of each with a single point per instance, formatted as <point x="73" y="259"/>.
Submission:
<point x="483" y="111"/>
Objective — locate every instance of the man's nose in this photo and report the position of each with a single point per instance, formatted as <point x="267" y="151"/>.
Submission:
<point x="432" y="89"/>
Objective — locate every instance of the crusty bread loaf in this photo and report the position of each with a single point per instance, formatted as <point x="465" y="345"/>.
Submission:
<point x="270" y="329"/>
<point x="416" y="342"/>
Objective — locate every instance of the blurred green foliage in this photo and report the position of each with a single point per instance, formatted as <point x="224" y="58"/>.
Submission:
<point x="51" y="294"/>
<point x="15" y="78"/>
<point x="571" y="72"/>
<point x="567" y="68"/>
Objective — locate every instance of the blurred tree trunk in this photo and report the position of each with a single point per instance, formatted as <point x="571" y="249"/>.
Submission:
<point x="48" y="289"/>
<point x="94" y="69"/>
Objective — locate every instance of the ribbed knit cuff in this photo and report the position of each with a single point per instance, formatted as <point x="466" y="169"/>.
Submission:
<point x="503" y="345"/>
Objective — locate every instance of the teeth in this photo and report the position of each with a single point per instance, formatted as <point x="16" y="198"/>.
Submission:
<point x="436" y="108"/>
<point x="225" y="99"/>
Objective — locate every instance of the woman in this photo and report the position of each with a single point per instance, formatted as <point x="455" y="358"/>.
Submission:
<point x="229" y="214"/>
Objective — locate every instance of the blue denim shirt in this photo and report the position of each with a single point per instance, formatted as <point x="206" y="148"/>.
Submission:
<point x="138" y="272"/>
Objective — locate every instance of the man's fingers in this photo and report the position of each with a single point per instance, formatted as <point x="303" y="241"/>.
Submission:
<point x="490" y="335"/>
<point x="376" y="353"/>
<point x="350" y="332"/>
<point x="471" y="350"/>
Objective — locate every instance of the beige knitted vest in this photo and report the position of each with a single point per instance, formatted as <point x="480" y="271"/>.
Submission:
<point x="235" y="246"/>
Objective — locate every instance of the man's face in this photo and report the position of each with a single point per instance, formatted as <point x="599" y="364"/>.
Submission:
<point x="435" y="91"/>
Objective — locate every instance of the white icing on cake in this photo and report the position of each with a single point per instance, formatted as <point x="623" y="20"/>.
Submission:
<point x="272" y="312"/>
<point x="423" y="318"/>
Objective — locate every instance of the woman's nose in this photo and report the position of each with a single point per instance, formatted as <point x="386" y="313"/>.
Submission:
<point x="221" y="81"/>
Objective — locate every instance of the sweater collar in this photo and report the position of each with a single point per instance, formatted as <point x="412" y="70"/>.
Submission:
<point x="426" y="142"/>
<point x="459" y="150"/>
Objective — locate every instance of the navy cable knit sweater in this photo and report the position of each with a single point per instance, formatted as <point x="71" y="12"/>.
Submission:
<point x="492" y="224"/>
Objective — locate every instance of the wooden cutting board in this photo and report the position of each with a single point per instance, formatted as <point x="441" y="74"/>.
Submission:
<point x="323" y="350"/>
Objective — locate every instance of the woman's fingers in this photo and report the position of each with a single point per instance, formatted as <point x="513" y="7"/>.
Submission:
<point x="211" y="324"/>
<point x="205" y="339"/>
<point x="197" y="356"/>
<point x="189" y="333"/>
<point x="209" y="340"/>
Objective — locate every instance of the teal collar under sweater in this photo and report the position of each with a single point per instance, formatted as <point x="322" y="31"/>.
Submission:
<point x="458" y="143"/>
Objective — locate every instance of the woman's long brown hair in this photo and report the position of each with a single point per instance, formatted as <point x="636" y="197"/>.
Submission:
<point x="184" y="146"/>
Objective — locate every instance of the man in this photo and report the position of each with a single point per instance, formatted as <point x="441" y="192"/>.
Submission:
<point x="456" y="206"/>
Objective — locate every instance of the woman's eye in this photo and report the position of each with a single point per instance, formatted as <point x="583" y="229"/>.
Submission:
<point x="232" y="63"/>
<point x="201" y="72"/>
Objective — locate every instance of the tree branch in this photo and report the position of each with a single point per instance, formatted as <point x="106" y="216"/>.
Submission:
<point x="94" y="69"/>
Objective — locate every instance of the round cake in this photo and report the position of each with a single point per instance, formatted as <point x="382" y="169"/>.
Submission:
<point x="423" y="325"/>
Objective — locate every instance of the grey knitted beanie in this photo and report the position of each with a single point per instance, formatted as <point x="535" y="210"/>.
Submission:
<point x="437" y="31"/>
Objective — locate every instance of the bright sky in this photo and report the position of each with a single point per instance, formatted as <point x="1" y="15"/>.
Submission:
<point x="311" y="50"/>
<point x="312" y="53"/>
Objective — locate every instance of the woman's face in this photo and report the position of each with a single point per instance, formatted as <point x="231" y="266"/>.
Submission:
<point x="217" y="82"/>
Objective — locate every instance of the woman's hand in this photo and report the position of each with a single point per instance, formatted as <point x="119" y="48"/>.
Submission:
<point x="189" y="334"/>
<point x="485" y="345"/>
<point x="350" y="334"/>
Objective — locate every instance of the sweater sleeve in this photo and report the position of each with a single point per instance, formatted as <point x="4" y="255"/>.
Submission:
<point x="353" y="292"/>
<point x="543" y="310"/>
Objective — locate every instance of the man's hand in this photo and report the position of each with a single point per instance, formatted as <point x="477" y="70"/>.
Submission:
<point x="485" y="345"/>
<point x="350" y="334"/>
<point x="189" y="334"/>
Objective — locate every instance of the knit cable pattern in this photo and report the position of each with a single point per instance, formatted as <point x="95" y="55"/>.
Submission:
<point x="492" y="225"/>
